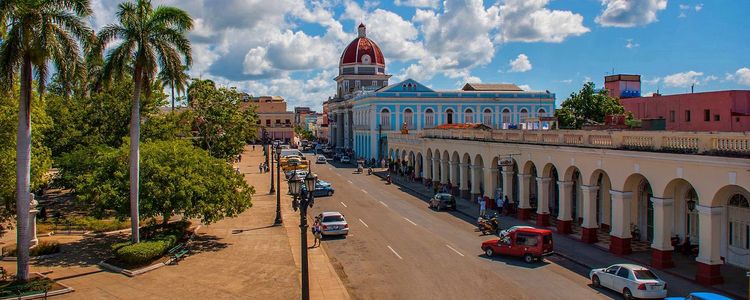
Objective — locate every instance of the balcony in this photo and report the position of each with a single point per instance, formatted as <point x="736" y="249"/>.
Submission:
<point x="709" y="143"/>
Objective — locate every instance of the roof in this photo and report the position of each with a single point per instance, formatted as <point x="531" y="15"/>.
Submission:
<point x="464" y="126"/>
<point x="533" y="230"/>
<point x="358" y="48"/>
<point x="331" y="213"/>
<point x="622" y="77"/>
<point x="632" y="266"/>
<point x="491" y="87"/>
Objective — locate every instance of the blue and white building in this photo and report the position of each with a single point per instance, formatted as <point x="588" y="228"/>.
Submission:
<point x="366" y="107"/>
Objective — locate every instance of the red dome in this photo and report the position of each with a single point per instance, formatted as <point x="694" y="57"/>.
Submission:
<point x="360" y="47"/>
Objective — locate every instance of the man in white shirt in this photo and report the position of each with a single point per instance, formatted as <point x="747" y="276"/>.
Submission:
<point x="482" y="205"/>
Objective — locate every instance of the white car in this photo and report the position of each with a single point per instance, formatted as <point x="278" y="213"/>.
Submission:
<point x="333" y="223"/>
<point x="633" y="281"/>
<point x="345" y="159"/>
<point x="321" y="159"/>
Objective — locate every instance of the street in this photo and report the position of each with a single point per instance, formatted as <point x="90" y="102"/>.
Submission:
<point x="398" y="248"/>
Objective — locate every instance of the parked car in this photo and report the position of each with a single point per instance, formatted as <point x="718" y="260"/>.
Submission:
<point x="333" y="223"/>
<point x="321" y="159"/>
<point x="322" y="188"/>
<point x="530" y="243"/>
<point x="345" y="159"/>
<point x="633" y="281"/>
<point x="443" y="201"/>
<point x="700" y="296"/>
<point x="299" y="174"/>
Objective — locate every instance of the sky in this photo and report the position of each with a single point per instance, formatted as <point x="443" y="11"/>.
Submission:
<point x="291" y="48"/>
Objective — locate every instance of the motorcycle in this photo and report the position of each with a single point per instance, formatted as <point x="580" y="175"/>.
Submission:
<point x="369" y="171"/>
<point x="388" y="179"/>
<point x="488" y="225"/>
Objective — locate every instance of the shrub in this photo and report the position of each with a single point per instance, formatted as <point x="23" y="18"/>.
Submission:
<point x="143" y="252"/>
<point x="43" y="248"/>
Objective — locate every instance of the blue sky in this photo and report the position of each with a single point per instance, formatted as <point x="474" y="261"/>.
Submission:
<point x="291" y="47"/>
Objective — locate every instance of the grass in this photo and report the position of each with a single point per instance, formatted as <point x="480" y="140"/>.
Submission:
<point x="35" y="285"/>
<point x="83" y="223"/>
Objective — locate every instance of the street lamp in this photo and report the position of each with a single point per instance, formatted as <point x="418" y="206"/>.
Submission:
<point x="691" y="204"/>
<point x="302" y="203"/>
<point x="278" y="220"/>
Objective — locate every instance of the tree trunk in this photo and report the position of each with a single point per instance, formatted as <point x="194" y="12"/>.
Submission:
<point x="135" y="154"/>
<point x="172" y="95"/>
<point x="23" y="172"/>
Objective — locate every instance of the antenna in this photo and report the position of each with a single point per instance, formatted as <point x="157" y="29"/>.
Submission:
<point x="692" y="88"/>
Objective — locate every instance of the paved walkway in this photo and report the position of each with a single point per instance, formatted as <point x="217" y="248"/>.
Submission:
<point x="239" y="258"/>
<point x="595" y="257"/>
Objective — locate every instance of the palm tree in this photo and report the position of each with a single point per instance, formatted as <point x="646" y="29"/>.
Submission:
<point x="175" y="77"/>
<point x="36" y="32"/>
<point x="149" y="38"/>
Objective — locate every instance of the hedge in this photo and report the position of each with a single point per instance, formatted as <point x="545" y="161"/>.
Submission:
<point x="43" y="248"/>
<point x="145" y="251"/>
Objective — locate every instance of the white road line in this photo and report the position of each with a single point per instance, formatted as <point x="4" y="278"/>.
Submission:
<point x="394" y="252"/>
<point x="381" y="202"/>
<point x="454" y="250"/>
<point x="410" y="221"/>
<point x="363" y="190"/>
<point x="349" y="181"/>
<point x="342" y="203"/>
<point x="363" y="223"/>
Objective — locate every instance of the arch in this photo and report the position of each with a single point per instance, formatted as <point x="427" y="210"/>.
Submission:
<point x="686" y="216"/>
<point x="529" y="167"/>
<point x="409" y="118"/>
<point x="523" y="115"/>
<point x="541" y="112"/>
<point x="429" y="118"/>
<point x="466" y="158"/>
<point x="468" y="115"/>
<point x="506" y="115"/>
<point x="723" y="195"/>
<point x="487" y="117"/>
<point x="735" y="246"/>
<point x="385" y="118"/>
<point x="603" y="199"/>
<point x="642" y="207"/>
<point x="548" y="169"/>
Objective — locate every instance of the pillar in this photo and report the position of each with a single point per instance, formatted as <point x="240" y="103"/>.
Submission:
<point x="620" y="225"/>
<point x="475" y="178"/>
<point x="564" y="216"/>
<point x="453" y="166"/>
<point x="32" y="221"/>
<point x="489" y="182"/>
<point x="542" y="208"/>
<point x="444" y="171"/>
<point x="524" y="204"/>
<point x="464" y="180"/>
<point x="508" y="184"/>
<point x="435" y="170"/>
<point x="589" y="226"/>
<point x="340" y="130"/>
<point x="709" y="255"/>
<point x="661" y="248"/>
<point x="417" y="168"/>
<point x="427" y="174"/>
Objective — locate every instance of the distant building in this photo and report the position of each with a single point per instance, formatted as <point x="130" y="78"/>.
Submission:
<point x="705" y="111"/>
<point x="273" y="116"/>
<point x="300" y="112"/>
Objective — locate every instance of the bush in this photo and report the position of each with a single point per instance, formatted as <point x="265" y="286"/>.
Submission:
<point x="43" y="248"/>
<point x="143" y="252"/>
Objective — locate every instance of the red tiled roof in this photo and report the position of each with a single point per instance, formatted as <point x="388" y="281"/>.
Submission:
<point x="464" y="126"/>
<point x="359" y="47"/>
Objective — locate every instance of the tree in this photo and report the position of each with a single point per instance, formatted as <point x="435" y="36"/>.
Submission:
<point x="174" y="77"/>
<point x="304" y="133"/>
<point x="179" y="179"/>
<point x="588" y="106"/>
<point x="149" y="38"/>
<point x="36" y="32"/>
<point x="223" y="125"/>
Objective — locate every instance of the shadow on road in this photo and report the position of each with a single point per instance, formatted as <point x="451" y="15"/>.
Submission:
<point x="516" y="262"/>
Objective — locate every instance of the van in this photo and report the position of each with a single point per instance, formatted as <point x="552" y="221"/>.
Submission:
<point x="530" y="243"/>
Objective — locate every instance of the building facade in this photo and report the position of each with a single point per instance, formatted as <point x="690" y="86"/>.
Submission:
<point x="273" y="117"/>
<point x="366" y="107"/>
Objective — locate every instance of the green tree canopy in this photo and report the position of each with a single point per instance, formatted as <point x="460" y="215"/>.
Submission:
<point x="178" y="179"/>
<point x="587" y="106"/>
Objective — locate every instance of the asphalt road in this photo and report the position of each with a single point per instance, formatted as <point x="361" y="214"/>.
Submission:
<point x="398" y="248"/>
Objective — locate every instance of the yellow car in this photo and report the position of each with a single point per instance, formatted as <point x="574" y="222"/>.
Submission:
<point x="294" y="163"/>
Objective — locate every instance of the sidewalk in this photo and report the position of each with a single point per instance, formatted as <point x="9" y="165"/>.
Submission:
<point x="589" y="256"/>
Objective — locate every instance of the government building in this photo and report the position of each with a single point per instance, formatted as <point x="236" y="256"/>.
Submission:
<point x="366" y="107"/>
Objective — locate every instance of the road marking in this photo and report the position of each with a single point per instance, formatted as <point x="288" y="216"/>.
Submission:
<point x="349" y="181"/>
<point x="342" y="203"/>
<point x="394" y="252"/>
<point x="363" y="223"/>
<point x="381" y="202"/>
<point x="415" y="224"/>
<point x="454" y="250"/>
<point x="363" y="190"/>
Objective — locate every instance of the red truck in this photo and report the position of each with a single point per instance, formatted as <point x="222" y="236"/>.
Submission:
<point x="530" y="243"/>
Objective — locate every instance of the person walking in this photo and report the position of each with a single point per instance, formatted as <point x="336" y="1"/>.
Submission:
<point x="482" y="205"/>
<point x="260" y="168"/>
<point x="316" y="233"/>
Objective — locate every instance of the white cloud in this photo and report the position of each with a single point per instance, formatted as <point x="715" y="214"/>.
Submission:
<point x="683" y="79"/>
<point x="418" y="3"/>
<point x="630" y="44"/>
<point x="396" y="37"/>
<point x="653" y="81"/>
<point x="698" y="7"/>
<point x="566" y="81"/>
<point x="525" y="87"/>
<point x="531" y="21"/>
<point x="630" y="13"/>
<point x="520" y="64"/>
<point x="741" y="76"/>
<point x="586" y="79"/>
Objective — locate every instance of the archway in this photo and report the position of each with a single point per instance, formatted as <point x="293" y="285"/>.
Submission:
<point x="418" y="163"/>
<point x="477" y="180"/>
<point x="455" y="170"/>
<point x="464" y="176"/>
<point x="528" y="191"/>
<point x="642" y="207"/>
<point x="427" y="167"/>
<point x="735" y="226"/>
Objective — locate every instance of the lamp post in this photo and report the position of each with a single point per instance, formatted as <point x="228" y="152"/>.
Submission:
<point x="278" y="220"/>
<point x="270" y="163"/>
<point x="302" y="202"/>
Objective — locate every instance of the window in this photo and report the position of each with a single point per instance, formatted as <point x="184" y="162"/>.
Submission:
<point x="487" y="117"/>
<point x="717" y="117"/>
<point x="671" y="116"/>
<point x="409" y="118"/>
<point x="624" y="273"/>
<point x="429" y="118"/>
<point x="645" y="275"/>
<point x="506" y="115"/>
<point x="526" y="239"/>
<point x="278" y="121"/>
<point x="612" y="270"/>
<point x="706" y="115"/>
<point x="268" y="122"/>
<point x="346" y="86"/>
<point x="357" y="84"/>
<point x="469" y="116"/>
<point x="687" y="116"/>
<point x="385" y="119"/>
<point x="449" y="116"/>
<point x="524" y="115"/>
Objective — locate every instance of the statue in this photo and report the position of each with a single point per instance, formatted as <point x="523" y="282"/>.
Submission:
<point x="404" y="129"/>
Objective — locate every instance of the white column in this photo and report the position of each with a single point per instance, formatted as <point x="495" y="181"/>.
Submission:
<point x="427" y="169"/>
<point x="435" y="169"/>
<point x="709" y="251"/>
<point x="508" y="184"/>
<point x="490" y="175"/>
<point x="475" y="178"/>
<point x="454" y="173"/>
<point x="464" y="177"/>
<point x="663" y="223"/>
<point x="523" y="191"/>
<point x="542" y="187"/>
<point x="417" y="166"/>
<point x="588" y="195"/>
<point x="565" y="189"/>
<point x="32" y="221"/>
<point x="620" y="225"/>
<point x="444" y="171"/>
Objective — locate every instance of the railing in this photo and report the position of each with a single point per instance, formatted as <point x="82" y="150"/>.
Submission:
<point x="718" y="143"/>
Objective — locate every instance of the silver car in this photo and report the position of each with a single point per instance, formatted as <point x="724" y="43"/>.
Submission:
<point x="633" y="281"/>
<point x="333" y="223"/>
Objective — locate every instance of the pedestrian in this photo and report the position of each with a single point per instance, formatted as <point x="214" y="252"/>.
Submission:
<point x="316" y="233"/>
<point x="260" y="168"/>
<point x="482" y="205"/>
<point x="253" y="147"/>
<point x="239" y="156"/>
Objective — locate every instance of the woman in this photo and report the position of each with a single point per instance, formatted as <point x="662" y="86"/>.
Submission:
<point x="316" y="232"/>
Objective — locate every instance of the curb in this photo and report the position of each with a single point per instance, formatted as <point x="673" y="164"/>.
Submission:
<point x="67" y="289"/>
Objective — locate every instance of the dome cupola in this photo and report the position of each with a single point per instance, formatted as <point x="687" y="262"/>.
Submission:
<point x="362" y="51"/>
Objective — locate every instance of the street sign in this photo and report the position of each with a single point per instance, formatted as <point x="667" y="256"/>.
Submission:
<point x="505" y="162"/>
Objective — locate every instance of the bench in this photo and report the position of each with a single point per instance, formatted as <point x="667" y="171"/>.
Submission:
<point x="178" y="252"/>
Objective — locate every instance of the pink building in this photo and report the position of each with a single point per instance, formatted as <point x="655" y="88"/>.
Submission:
<point x="705" y="111"/>
<point x="272" y="116"/>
